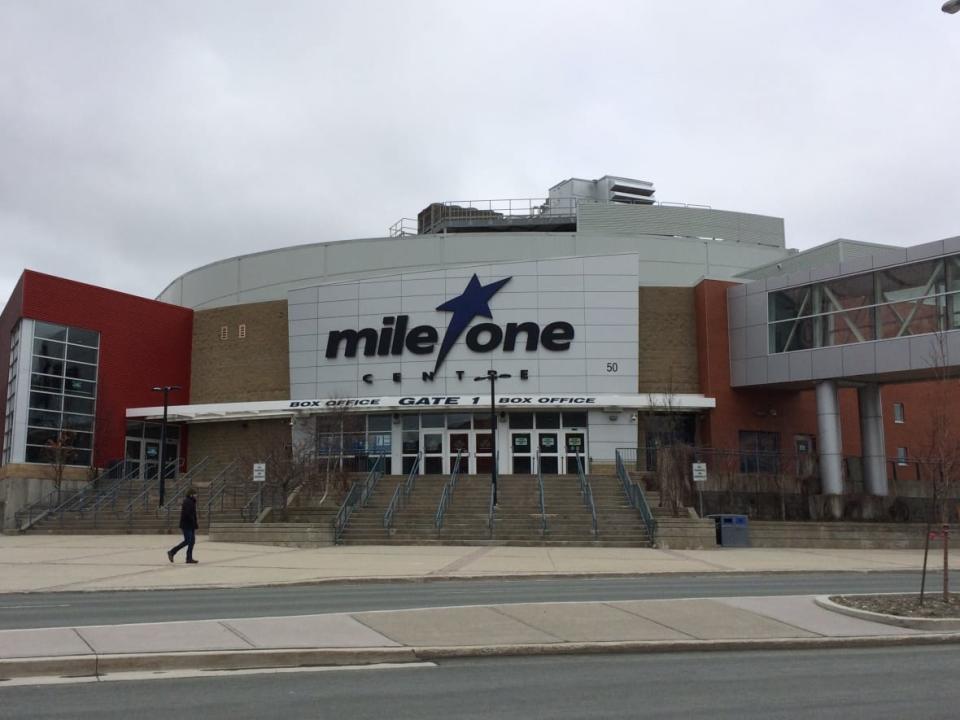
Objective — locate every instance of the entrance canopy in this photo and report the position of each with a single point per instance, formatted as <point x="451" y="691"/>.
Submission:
<point x="219" y="412"/>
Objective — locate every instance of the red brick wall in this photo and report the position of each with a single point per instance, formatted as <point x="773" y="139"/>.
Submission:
<point x="787" y="412"/>
<point x="143" y="343"/>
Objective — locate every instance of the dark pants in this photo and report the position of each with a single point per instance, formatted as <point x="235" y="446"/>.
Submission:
<point x="189" y="539"/>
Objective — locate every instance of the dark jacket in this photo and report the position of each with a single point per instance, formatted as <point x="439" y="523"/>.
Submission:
<point x="188" y="513"/>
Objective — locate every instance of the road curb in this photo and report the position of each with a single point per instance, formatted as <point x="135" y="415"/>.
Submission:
<point x="938" y="624"/>
<point x="95" y="665"/>
<point x="414" y="579"/>
<point x="77" y="666"/>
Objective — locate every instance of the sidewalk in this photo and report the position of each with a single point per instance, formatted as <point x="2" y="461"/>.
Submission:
<point x="61" y="563"/>
<point x="402" y="636"/>
<point x="46" y="563"/>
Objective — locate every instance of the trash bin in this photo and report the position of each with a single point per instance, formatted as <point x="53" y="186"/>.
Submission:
<point x="732" y="530"/>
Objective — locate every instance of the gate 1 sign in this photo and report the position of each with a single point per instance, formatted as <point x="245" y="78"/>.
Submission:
<point x="259" y="472"/>
<point x="699" y="472"/>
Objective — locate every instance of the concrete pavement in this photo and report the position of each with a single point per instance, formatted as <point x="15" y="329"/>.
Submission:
<point x="431" y="634"/>
<point x="52" y="563"/>
<point x="47" y="563"/>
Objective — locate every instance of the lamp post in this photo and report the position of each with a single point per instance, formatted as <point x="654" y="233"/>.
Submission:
<point x="493" y="376"/>
<point x="951" y="6"/>
<point x="165" y="389"/>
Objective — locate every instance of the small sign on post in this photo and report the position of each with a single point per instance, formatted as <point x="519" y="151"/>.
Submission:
<point x="699" y="472"/>
<point x="700" y="477"/>
<point x="260" y="472"/>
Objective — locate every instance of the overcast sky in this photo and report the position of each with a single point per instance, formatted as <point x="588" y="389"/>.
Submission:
<point x="140" y="139"/>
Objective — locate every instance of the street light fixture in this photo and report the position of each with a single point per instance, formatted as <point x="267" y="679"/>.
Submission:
<point x="493" y="376"/>
<point x="951" y="6"/>
<point x="166" y="390"/>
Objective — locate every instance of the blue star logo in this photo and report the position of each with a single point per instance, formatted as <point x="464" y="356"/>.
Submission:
<point x="465" y="307"/>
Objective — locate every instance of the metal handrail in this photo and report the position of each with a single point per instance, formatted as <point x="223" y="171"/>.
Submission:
<point x="395" y="502"/>
<point x="543" y="509"/>
<point x="636" y="497"/>
<point x="145" y="493"/>
<point x="77" y="502"/>
<point x="587" y="492"/>
<point x="447" y="495"/>
<point x="183" y="484"/>
<point x="490" y="508"/>
<point x="401" y="493"/>
<point x="411" y="480"/>
<point x="218" y="490"/>
<point x="359" y="494"/>
<point x="26" y="517"/>
<point x="346" y="509"/>
<point x="218" y="485"/>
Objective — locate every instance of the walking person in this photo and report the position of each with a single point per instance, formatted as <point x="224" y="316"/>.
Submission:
<point x="189" y="525"/>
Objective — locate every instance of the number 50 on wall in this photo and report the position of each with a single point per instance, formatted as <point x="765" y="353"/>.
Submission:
<point x="612" y="367"/>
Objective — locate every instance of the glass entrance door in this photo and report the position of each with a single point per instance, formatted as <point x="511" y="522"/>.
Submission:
<point x="573" y="444"/>
<point x="521" y="453"/>
<point x="549" y="453"/>
<point x="432" y="442"/>
<point x="459" y="445"/>
<point x="142" y="449"/>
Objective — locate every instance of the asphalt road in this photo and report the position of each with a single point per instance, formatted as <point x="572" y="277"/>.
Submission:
<point x="881" y="684"/>
<point x="35" y="610"/>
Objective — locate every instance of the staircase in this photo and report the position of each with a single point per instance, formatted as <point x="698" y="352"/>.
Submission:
<point x="133" y="510"/>
<point x="516" y="519"/>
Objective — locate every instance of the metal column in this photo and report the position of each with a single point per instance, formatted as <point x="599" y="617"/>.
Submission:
<point x="828" y="425"/>
<point x="871" y="432"/>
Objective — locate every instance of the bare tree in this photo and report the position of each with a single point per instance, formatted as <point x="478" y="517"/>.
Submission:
<point x="941" y="458"/>
<point x="60" y="451"/>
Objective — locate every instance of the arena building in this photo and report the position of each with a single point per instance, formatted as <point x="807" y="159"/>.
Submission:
<point x="610" y="320"/>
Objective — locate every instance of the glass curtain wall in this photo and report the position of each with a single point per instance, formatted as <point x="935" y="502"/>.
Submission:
<point x="896" y="302"/>
<point x="63" y="393"/>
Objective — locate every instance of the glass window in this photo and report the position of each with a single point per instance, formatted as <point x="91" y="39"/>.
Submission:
<point x="81" y="372"/>
<point x="79" y="336"/>
<point x="48" y="348"/>
<point x="548" y="420"/>
<point x="521" y="421"/>
<point x="432" y="443"/>
<point x="78" y="422"/>
<point x="49" y="331"/>
<point x="482" y="421"/>
<point x="432" y="420"/>
<point x="845" y="293"/>
<point x="44" y="418"/>
<point x="79" y="405"/>
<point x="898" y="416"/>
<point x="80" y="387"/>
<point x="458" y="421"/>
<point x="82" y="354"/>
<point x="901" y="456"/>
<point x="759" y="451"/>
<point x="82" y="440"/>
<point x="410" y="422"/>
<point x="45" y="401"/>
<point x="46" y="382"/>
<point x="40" y="436"/>
<point x="574" y="419"/>
<point x="411" y="442"/>
<point x="35" y="454"/>
<point x="909" y="282"/>
<point x="789" y="304"/>
<point x="47" y="366"/>
<point x="151" y="431"/>
<point x="379" y="423"/>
